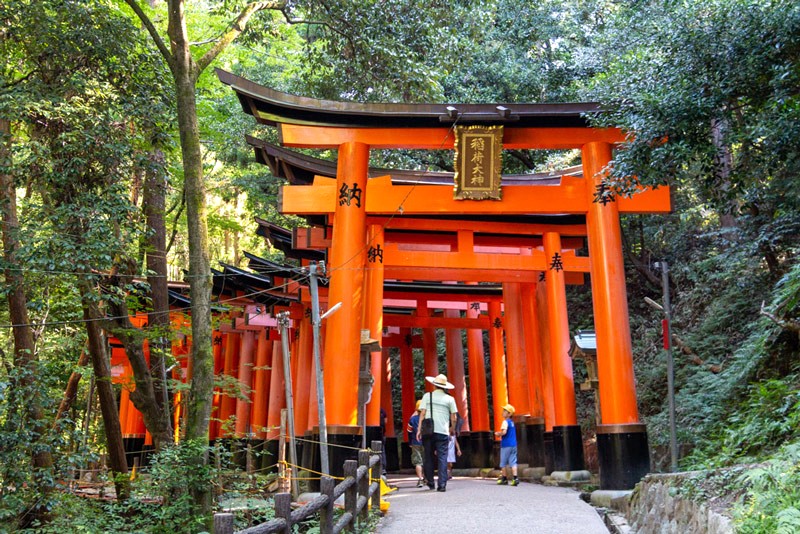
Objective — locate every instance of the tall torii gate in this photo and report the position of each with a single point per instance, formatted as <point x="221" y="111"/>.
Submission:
<point x="354" y="129"/>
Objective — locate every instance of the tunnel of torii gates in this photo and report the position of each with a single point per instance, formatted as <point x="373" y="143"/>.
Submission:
<point x="403" y="253"/>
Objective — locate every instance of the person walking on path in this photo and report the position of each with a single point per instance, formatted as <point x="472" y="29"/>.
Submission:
<point x="416" y="445"/>
<point x="453" y="450"/>
<point x="508" y="448"/>
<point x="441" y="408"/>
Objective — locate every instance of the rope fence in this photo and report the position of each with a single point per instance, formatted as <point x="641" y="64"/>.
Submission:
<point x="357" y="486"/>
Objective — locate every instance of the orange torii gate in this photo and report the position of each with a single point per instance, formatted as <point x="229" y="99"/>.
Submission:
<point x="525" y="388"/>
<point x="354" y="129"/>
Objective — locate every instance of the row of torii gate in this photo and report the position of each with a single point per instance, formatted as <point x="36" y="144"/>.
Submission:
<point x="403" y="253"/>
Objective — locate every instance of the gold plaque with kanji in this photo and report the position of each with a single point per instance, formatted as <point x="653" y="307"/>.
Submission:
<point x="478" y="162"/>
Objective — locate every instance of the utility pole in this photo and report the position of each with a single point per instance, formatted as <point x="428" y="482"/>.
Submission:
<point x="314" y="271"/>
<point x="283" y="322"/>
<point x="673" y="440"/>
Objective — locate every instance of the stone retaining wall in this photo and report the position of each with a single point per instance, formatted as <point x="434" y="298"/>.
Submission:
<point x="655" y="507"/>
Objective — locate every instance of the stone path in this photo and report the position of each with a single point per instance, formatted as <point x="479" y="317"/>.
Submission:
<point x="479" y="505"/>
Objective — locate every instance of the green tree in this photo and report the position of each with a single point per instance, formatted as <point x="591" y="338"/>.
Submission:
<point x="186" y="70"/>
<point x="708" y="91"/>
<point x="79" y="116"/>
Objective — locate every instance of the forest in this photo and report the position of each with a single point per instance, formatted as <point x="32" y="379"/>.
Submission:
<point x="123" y="165"/>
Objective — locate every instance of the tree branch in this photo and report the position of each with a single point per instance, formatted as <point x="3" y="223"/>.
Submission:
<point x="235" y="30"/>
<point x="175" y="221"/>
<point x="18" y="81"/>
<point x="786" y="324"/>
<point x="201" y="43"/>
<point x="523" y="157"/>
<point x="641" y="267"/>
<point x="686" y="350"/>
<point x="151" y="29"/>
<point x="290" y="20"/>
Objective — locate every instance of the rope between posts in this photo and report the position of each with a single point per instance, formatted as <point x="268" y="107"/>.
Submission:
<point x="285" y="463"/>
<point x="330" y="444"/>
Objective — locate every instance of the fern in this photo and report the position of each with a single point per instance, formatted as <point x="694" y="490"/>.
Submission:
<point x="772" y="501"/>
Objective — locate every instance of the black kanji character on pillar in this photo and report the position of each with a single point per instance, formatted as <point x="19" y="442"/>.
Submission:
<point x="542" y="276"/>
<point x="375" y="254"/>
<point x="475" y="306"/>
<point x="557" y="264"/>
<point x="348" y="194"/>
<point x="497" y="323"/>
<point x="307" y="312"/>
<point x="409" y="340"/>
<point x="297" y="333"/>
<point x="217" y="340"/>
<point x="603" y="194"/>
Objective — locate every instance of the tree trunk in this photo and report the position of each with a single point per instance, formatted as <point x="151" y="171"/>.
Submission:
<point x="105" y="390"/>
<point x="154" y="204"/>
<point x="156" y="419"/>
<point x="723" y="165"/>
<point x="25" y="360"/>
<point x="71" y="391"/>
<point x="200" y="281"/>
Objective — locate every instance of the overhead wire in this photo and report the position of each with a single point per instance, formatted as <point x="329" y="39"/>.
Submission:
<point x="185" y="308"/>
<point x="299" y="270"/>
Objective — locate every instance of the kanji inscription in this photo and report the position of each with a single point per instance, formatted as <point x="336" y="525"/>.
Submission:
<point x="478" y="163"/>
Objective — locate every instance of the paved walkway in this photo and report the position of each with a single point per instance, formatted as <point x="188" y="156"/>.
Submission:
<point x="479" y="505"/>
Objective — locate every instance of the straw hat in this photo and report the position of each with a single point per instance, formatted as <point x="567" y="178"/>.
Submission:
<point x="509" y="409"/>
<point x="440" y="381"/>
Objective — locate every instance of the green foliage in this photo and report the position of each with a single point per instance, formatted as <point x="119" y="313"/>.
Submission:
<point x="767" y="418"/>
<point x="158" y="504"/>
<point x="772" y="502"/>
<point x="24" y="487"/>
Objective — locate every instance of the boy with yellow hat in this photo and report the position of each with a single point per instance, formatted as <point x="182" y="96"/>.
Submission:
<point x="508" y="448"/>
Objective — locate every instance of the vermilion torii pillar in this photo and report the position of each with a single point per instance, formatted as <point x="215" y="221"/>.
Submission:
<point x="346" y="270"/>
<point x="517" y="362"/>
<point x="408" y="396"/>
<point x="621" y="439"/>
<point x="261" y="383"/>
<point x="497" y="360"/>
<point x="246" y="360"/>
<point x="231" y="366"/>
<point x="481" y="436"/>
<point x="430" y="354"/>
<point x="567" y="441"/>
<point x="535" y="422"/>
<point x="478" y="407"/>
<point x="304" y="377"/>
<point x="373" y="321"/>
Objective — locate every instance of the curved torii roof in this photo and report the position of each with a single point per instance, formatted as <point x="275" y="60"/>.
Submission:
<point x="300" y="168"/>
<point x="272" y="107"/>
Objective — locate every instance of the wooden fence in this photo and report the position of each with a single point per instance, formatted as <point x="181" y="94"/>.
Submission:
<point x="357" y="487"/>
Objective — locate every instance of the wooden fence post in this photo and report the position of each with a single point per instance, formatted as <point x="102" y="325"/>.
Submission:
<point x="377" y="448"/>
<point x="363" y="484"/>
<point x="283" y="508"/>
<point x="326" y="485"/>
<point x="223" y="523"/>
<point x="351" y="494"/>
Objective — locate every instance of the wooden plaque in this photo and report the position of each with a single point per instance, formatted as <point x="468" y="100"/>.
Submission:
<point x="478" y="162"/>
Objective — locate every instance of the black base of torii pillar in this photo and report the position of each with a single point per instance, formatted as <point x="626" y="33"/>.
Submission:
<point x="623" y="454"/>
<point x="567" y="448"/>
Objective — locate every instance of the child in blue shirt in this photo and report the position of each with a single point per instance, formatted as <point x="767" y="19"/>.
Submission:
<point x="508" y="448"/>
